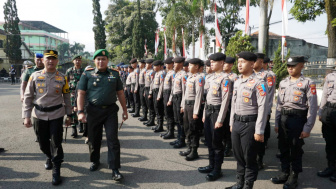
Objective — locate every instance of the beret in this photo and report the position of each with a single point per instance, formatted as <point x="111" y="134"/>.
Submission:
<point x="149" y="61"/>
<point x="130" y="67"/>
<point x="195" y="61"/>
<point x="38" y="55"/>
<point x="179" y="59"/>
<point x="247" y="56"/>
<point x="169" y="60"/>
<point x="202" y="63"/>
<point x="217" y="56"/>
<point x="48" y="53"/>
<point x="295" y="60"/>
<point x="76" y="56"/>
<point x="100" y="52"/>
<point x="134" y="60"/>
<point x="186" y="63"/>
<point x="207" y="63"/>
<point x="142" y="61"/>
<point x="267" y="60"/>
<point x="157" y="63"/>
<point x="230" y="60"/>
<point x="260" y="55"/>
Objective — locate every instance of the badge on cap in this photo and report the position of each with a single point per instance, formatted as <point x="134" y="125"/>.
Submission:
<point x="103" y="52"/>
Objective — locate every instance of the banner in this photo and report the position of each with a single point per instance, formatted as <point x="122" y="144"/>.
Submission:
<point x="217" y="30"/>
<point x="284" y="28"/>
<point x="247" y="20"/>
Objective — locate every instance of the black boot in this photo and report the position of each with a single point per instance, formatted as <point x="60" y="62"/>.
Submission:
<point x="281" y="178"/>
<point x="206" y="169"/>
<point x="174" y="142"/>
<point x="333" y="177"/>
<point x="160" y="127"/>
<point x="81" y="128"/>
<point x="185" y="153"/>
<point x="150" y="122"/>
<point x="214" y="175"/>
<point x="248" y="184"/>
<point x="56" y="175"/>
<point x="180" y="144"/>
<point x="131" y="111"/>
<point x="74" y="132"/>
<point x="144" y="118"/>
<point x="170" y="134"/>
<point x="228" y="150"/>
<point x="278" y="155"/>
<point x="328" y="171"/>
<point x="137" y="112"/>
<point x="116" y="175"/>
<point x="292" y="181"/>
<point x="239" y="184"/>
<point x="48" y="165"/>
<point x="260" y="163"/>
<point x="193" y="155"/>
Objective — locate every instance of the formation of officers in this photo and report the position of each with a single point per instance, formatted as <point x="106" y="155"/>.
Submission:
<point x="232" y="112"/>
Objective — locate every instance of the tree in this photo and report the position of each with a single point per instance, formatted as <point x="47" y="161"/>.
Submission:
<point x="76" y="48"/>
<point x="99" y="26"/>
<point x="237" y="44"/>
<point x="62" y="50"/>
<point x="280" y="68"/>
<point x="13" y="38"/>
<point x="137" y="39"/>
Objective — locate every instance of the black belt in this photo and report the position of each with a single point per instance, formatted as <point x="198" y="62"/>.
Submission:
<point x="190" y="102"/>
<point x="177" y="95"/>
<point x="128" y="85"/>
<point x="166" y="91"/>
<point x="331" y="105"/>
<point x="147" y="88"/>
<point x="245" y="118"/>
<point x="48" y="109"/>
<point x="213" y="107"/>
<point x="294" y="112"/>
<point x="156" y="90"/>
<point x="142" y="85"/>
<point x="102" y="107"/>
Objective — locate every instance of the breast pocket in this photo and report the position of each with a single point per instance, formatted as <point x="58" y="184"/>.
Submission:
<point x="247" y="97"/>
<point x="297" y="97"/>
<point x="41" y="87"/>
<point x="215" y="90"/>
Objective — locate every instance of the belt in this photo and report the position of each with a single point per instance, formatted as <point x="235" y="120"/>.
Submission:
<point x="102" y="107"/>
<point x="213" y="107"/>
<point x="147" y="88"/>
<point x="156" y="90"/>
<point x="177" y="95"/>
<point x="47" y="109"/>
<point x="331" y="105"/>
<point x="245" y="118"/>
<point x="190" y="102"/>
<point x="294" y="112"/>
<point x="142" y="85"/>
<point x="128" y="85"/>
<point x="166" y="91"/>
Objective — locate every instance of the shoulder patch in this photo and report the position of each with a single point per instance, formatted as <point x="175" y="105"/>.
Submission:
<point x="89" y="69"/>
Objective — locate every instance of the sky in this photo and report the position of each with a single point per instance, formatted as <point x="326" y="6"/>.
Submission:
<point x="75" y="17"/>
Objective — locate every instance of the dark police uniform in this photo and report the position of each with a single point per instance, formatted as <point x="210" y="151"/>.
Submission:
<point x="149" y="77"/>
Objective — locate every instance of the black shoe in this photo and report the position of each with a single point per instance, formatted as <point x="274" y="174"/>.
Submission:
<point x="185" y="153"/>
<point x="159" y="129"/>
<point x="192" y="155"/>
<point x="239" y="184"/>
<point x="228" y="153"/>
<point x="326" y="172"/>
<point x="74" y="132"/>
<point x="48" y="165"/>
<point x="162" y="135"/>
<point x="81" y="130"/>
<point x="333" y="177"/>
<point x="143" y="119"/>
<point x="278" y="155"/>
<point x="169" y="135"/>
<point x="214" y="175"/>
<point x="292" y="181"/>
<point x="94" y="166"/>
<point x="248" y="185"/>
<point x="56" y="176"/>
<point x="174" y="142"/>
<point x="180" y="144"/>
<point x="206" y="169"/>
<point x="150" y="123"/>
<point x="131" y="111"/>
<point x="260" y="165"/>
<point x="116" y="175"/>
<point x="135" y="115"/>
<point x="281" y="179"/>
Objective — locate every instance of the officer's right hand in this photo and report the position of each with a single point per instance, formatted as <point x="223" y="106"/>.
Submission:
<point x="276" y="129"/>
<point x="230" y="129"/>
<point x="27" y="122"/>
<point x="259" y="138"/>
<point x="169" y="103"/>
<point x="82" y="117"/>
<point x="182" y="110"/>
<point x="22" y="99"/>
<point x="149" y="96"/>
<point x="203" y="119"/>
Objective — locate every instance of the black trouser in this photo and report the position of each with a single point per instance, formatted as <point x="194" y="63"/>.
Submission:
<point x="96" y="119"/>
<point x="267" y="133"/>
<point x="130" y="97"/>
<point x="289" y="143"/>
<point x="178" y="116"/>
<point x="136" y="98"/>
<point x="126" y="97"/>
<point x="143" y="100"/>
<point x="169" y="112"/>
<point x="227" y="133"/>
<point x="150" y="104"/>
<point x="13" y="79"/>
<point x="328" y="119"/>
<point x="50" y="136"/>
<point x="158" y="106"/>
<point x="214" y="138"/>
<point x="191" y="127"/>
<point x="245" y="149"/>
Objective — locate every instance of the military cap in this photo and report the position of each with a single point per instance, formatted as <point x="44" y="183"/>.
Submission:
<point x="202" y="63"/>
<point x="76" y="56"/>
<point x="249" y="56"/>
<point x="186" y="63"/>
<point x="142" y="61"/>
<point x="49" y="53"/>
<point x="230" y="60"/>
<point x="179" y="59"/>
<point x="260" y="55"/>
<point x="295" y="60"/>
<point x="207" y="63"/>
<point x="134" y="60"/>
<point x="169" y="60"/>
<point x="100" y="52"/>
<point x="28" y="63"/>
<point x="38" y="55"/>
<point x="195" y="61"/>
<point x="149" y="61"/>
<point x="217" y="57"/>
<point x="267" y="60"/>
<point x="157" y="63"/>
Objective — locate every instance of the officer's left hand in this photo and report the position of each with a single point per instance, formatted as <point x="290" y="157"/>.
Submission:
<point x="135" y="91"/>
<point x="259" y="138"/>
<point x="124" y="116"/>
<point x="158" y="99"/>
<point x="75" y="109"/>
<point x="304" y="135"/>
<point x="218" y="125"/>
<point x="195" y="116"/>
<point x="68" y="121"/>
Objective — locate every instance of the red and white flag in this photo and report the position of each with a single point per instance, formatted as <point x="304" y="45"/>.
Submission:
<point x="247" y="20"/>
<point x="218" y="34"/>
<point x="157" y="41"/>
<point x="146" y="47"/>
<point x="183" y="45"/>
<point x="201" y="52"/>
<point x="284" y="28"/>
<point x="165" y="44"/>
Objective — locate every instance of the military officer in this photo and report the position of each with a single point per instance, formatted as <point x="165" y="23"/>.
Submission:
<point x="135" y="86"/>
<point x="167" y="88"/>
<point x="129" y="88"/>
<point x="46" y="92"/>
<point x="295" y="117"/>
<point x="191" y="106"/>
<point x="247" y="120"/>
<point x="175" y="99"/>
<point x="327" y="115"/>
<point x="142" y="79"/>
<point x="216" y="106"/>
<point x="156" y="92"/>
<point x="148" y="83"/>
<point x="74" y="74"/>
<point x="101" y="87"/>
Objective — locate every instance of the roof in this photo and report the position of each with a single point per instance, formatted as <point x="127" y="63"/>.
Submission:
<point x="273" y="35"/>
<point x="40" y="25"/>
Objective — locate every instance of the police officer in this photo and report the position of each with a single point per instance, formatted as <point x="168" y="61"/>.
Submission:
<point x="123" y="80"/>
<point x="44" y="96"/>
<point x="167" y="88"/>
<point x="156" y="92"/>
<point x="101" y="87"/>
<point x="247" y="120"/>
<point x="191" y="106"/>
<point x="142" y="79"/>
<point x="149" y="101"/>
<point x="74" y="74"/>
<point x="327" y="115"/>
<point x="135" y="87"/>
<point x="295" y="117"/>
<point x="175" y="99"/>
<point x="12" y="73"/>
<point x="129" y="88"/>
<point x="216" y="106"/>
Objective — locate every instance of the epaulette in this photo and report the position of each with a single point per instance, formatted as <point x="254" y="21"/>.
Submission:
<point x="89" y="69"/>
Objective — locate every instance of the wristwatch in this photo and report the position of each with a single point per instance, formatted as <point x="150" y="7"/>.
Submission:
<point x="80" y="111"/>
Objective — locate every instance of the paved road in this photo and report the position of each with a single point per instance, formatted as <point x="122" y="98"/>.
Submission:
<point x="147" y="160"/>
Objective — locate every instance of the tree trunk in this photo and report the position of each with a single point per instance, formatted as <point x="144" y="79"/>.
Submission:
<point x="330" y="7"/>
<point x="193" y="41"/>
<point x="262" y="26"/>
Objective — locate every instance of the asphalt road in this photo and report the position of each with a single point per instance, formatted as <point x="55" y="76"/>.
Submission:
<point x="147" y="161"/>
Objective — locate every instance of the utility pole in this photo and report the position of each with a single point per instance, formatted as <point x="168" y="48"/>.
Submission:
<point x="262" y="23"/>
